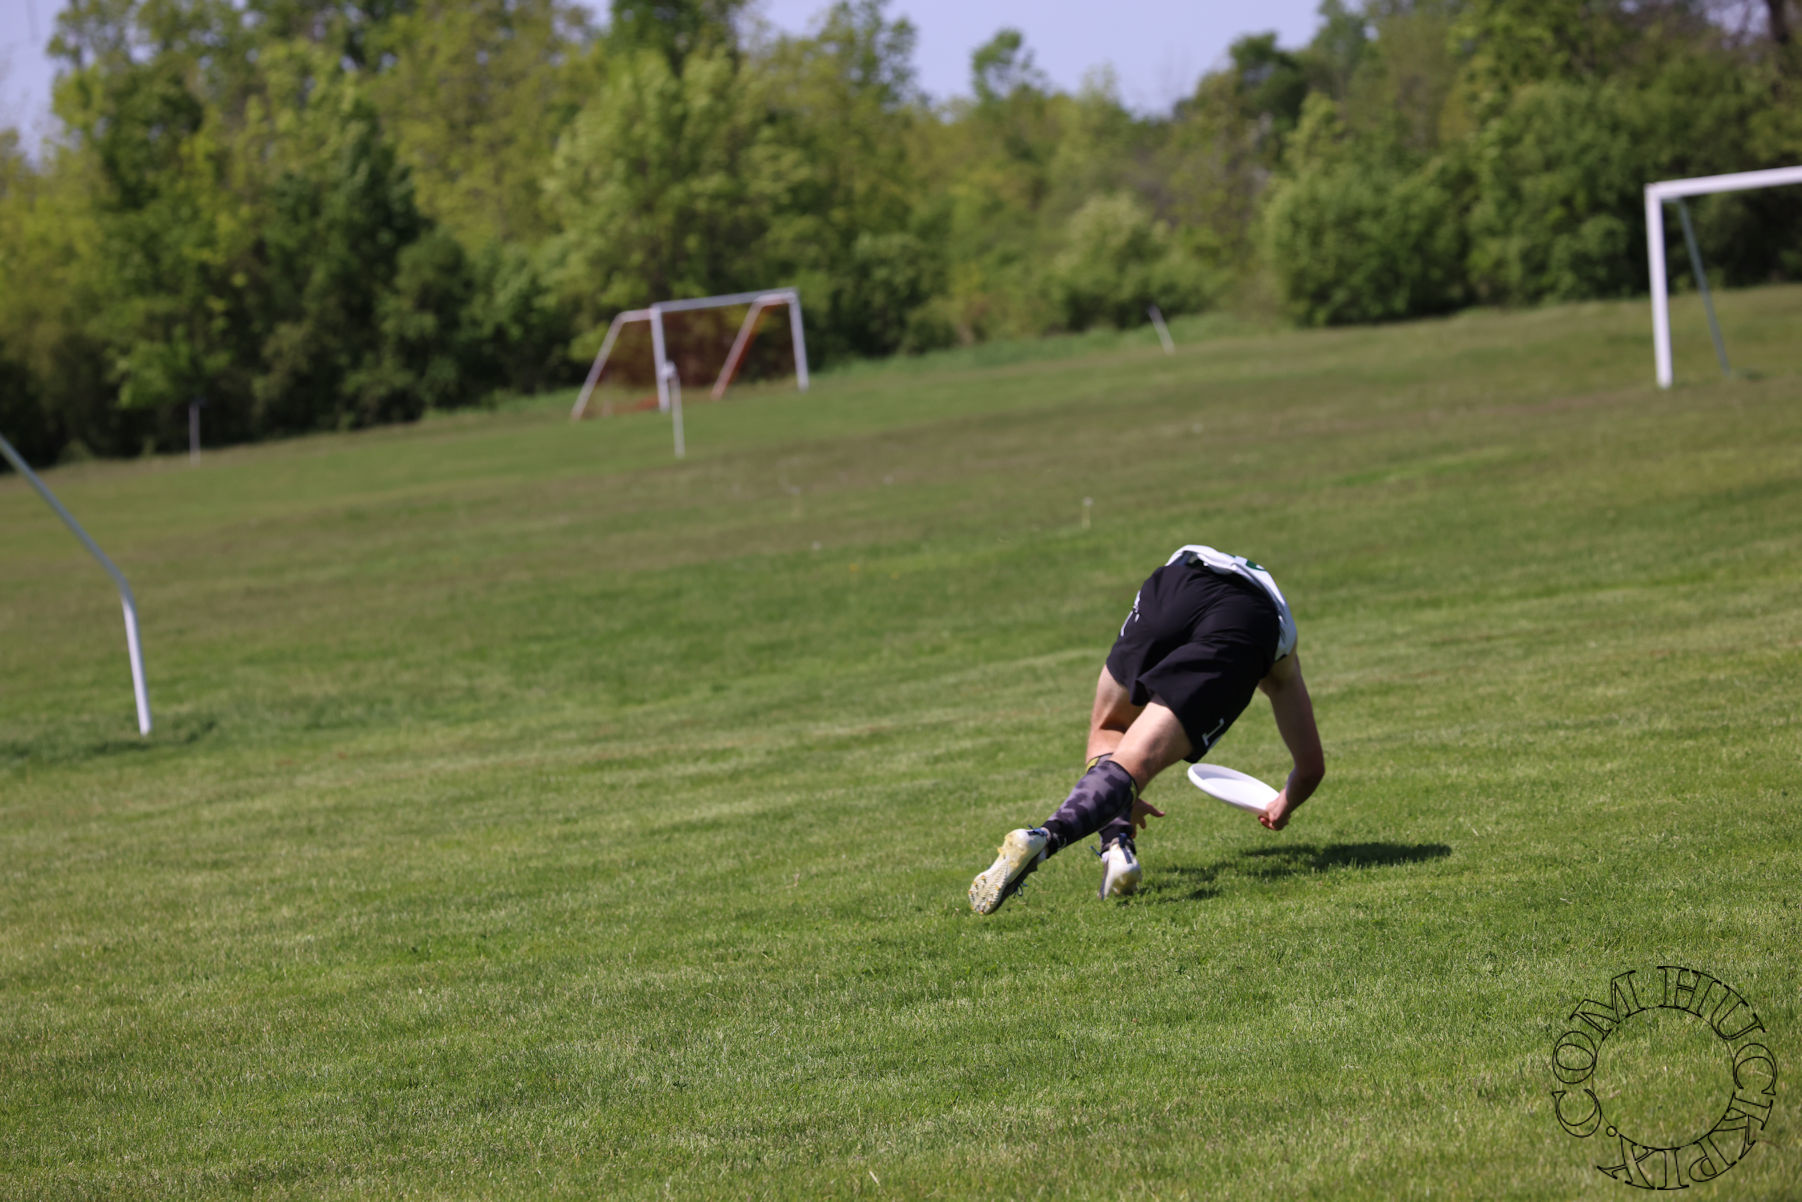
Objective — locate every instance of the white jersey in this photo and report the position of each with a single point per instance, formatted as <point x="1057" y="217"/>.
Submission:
<point x="1238" y="565"/>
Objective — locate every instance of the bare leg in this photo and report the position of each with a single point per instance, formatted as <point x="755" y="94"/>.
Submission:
<point x="1109" y="720"/>
<point x="1111" y="716"/>
<point x="1103" y="800"/>
<point x="1148" y="746"/>
<point x="1152" y="743"/>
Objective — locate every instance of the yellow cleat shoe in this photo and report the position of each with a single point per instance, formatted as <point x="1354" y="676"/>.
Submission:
<point x="1021" y="852"/>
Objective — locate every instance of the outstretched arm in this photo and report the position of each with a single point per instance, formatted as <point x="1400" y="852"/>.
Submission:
<point x="1294" y="713"/>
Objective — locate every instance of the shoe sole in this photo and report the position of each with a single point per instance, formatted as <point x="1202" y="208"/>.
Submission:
<point x="1016" y="858"/>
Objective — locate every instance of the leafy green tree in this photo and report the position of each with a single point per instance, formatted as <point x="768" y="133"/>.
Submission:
<point x="1336" y="50"/>
<point x="1354" y="233"/>
<point x="842" y="110"/>
<point x="1405" y="88"/>
<point x="1778" y="23"/>
<point x="51" y="261"/>
<point x="1268" y="85"/>
<point x="426" y="355"/>
<point x="169" y="228"/>
<point x="24" y="419"/>
<point x="1102" y="149"/>
<point x="875" y="301"/>
<point x="1117" y="260"/>
<point x="350" y="31"/>
<point x="515" y="318"/>
<point x="990" y="166"/>
<point x="1511" y="44"/>
<point x="252" y="219"/>
<point x="1003" y="66"/>
<point x="474" y="97"/>
<point x="663" y="185"/>
<point x="332" y="245"/>
<point x="871" y="57"/>
<point x="675" y="29"/>
<point x="1215" y="164"/>
<point x="1560" y="172"/>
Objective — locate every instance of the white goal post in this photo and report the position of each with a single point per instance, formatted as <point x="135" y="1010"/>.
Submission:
<point x="133" y="649"/>
<point x="759" y="302"/>
<point x="1677" y="189"/>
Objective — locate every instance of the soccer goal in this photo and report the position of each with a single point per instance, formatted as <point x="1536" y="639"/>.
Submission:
<point x="1678" y="189"/>
<point x="669" y="386"/>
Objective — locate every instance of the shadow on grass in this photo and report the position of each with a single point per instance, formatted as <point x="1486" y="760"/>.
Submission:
<point x="70" y="747"/>
<point x="1195" y="882"/>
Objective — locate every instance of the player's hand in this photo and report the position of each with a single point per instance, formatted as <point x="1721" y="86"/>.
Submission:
<point x="1142" y="810"/>
<point x="1276" y="814"/>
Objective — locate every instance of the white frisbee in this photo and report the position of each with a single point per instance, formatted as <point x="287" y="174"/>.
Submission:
<point x="1234" y="788"/>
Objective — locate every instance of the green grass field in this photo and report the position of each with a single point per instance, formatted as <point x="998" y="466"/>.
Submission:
<point x="531" y="815"/>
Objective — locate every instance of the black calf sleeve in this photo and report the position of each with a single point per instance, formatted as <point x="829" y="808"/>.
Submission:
<point x="1118" y="829"/>
<point x="1101" y="798"/>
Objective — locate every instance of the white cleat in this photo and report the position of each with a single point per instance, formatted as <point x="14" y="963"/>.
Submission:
<point x="1120" y="873"/>
<point x="1021" y="852"/>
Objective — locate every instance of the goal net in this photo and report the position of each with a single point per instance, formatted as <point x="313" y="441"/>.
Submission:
<point x="695" y="341"/>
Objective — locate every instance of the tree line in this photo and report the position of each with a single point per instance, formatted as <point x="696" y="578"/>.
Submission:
<point x="323" y="214"/>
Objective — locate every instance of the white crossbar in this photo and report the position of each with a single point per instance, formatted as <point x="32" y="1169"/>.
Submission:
<point x="1737" y="181"/>
<point x="710" y="302"/>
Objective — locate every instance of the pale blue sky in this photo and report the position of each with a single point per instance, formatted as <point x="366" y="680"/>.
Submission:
<point x="1158" y="48"/>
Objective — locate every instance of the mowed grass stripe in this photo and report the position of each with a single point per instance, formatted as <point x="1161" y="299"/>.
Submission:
<point x="530" y="814"/>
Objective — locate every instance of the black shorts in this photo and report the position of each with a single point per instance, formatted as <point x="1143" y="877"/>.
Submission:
<point x="1197" y="641"/>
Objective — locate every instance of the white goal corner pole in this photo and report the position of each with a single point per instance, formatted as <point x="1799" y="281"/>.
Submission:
<point x="1677" y="189"/>
<point x="665" y="369"/>
<point x="748" y="329"/>
<point x="132" y="646"/>
<point x="1157" y="320"/>
<point x="600" y="363"/>
<point x="798" y="337"/>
